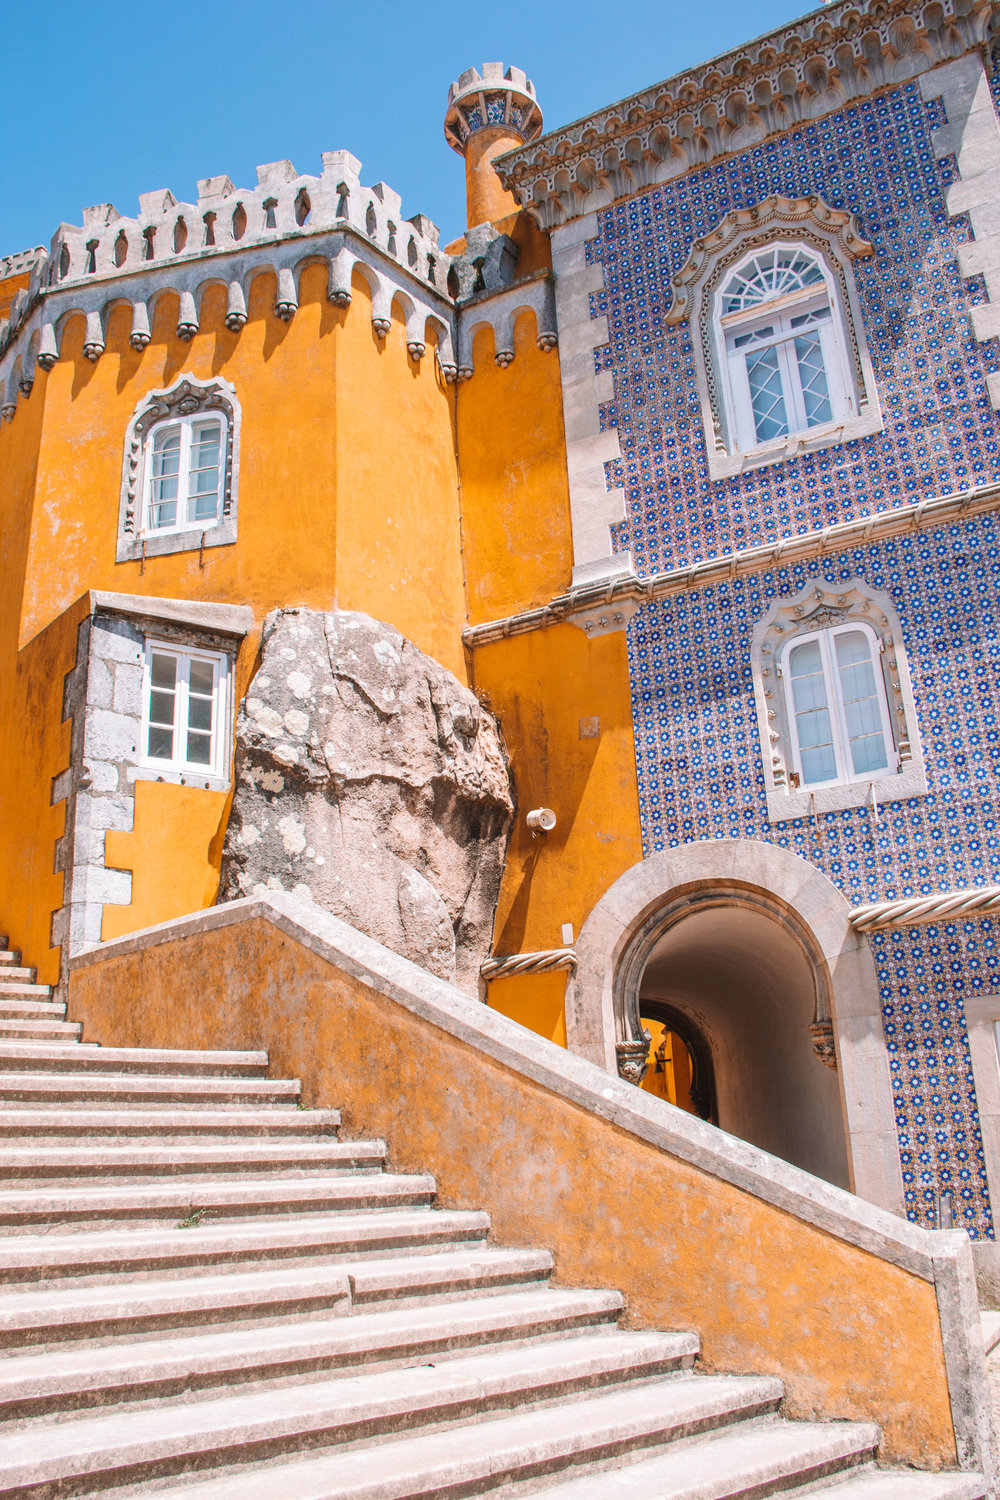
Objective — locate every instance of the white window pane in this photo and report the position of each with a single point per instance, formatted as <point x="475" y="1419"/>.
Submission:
<point x="813" y="723"/>
<point x="163" y="670"/>
<point x="812" y="375"/>
<point x="161" y="707"/>
<point x="769" y="274"/>
<point x="202" y="677"/>
<point x="161" y="743"/>
<point x="200" y="713"/>
<point x="199" y="748"/>
<point x="766" y="395"/>
<point x="203" y="478"/>
<point x="862" y="707"/>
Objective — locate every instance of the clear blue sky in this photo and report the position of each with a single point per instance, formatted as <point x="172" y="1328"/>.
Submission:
<point x="101" y="102"/>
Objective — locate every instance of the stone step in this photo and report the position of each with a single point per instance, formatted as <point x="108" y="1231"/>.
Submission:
<point x="177" y="1438"/>
<point x="38" y="1010"/>
<point x="239" y="1199"/>
<point x="112" y="1161"/>
<point x="21" y="988"/>
<point x="8" y="956"/>
<point x="54" y="1258"/>
<point x="31" y="1029"/>
<point x="162" y="1369"/>
<point x="12" y="971"/>
<point x="135" y="1088"/>
<point x="761" y="1459"/>
<point x="145" y="1060"/>
<point x="68" y="1315"/>
<point x="187" y="1124"/>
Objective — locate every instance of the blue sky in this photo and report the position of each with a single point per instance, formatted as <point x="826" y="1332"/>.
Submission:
<point x="100" y="103"/>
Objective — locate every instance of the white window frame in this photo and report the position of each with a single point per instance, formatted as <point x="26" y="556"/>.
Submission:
<point x="832" y="237"/>
<point x="184" y="404"/>
<point x="835" y="706"/>
<point x="780" y="311"/>
<point x="186" y="426"/>
<point x="825" y="605"/>
<point x="178" y="763"/>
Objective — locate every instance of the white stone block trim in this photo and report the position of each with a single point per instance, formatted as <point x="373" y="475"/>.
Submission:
<point x="942" y="1258"/>
<point x="103" y="698"/>
<point x="594" y="509"/>
<point x="972" y="136"/>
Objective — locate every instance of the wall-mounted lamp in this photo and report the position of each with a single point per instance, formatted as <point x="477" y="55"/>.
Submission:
<point x="541" y="820"/>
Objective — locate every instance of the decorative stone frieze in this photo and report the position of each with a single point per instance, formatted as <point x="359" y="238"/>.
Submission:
<point x="843" y="52"/>
<point x="497" y="96"/>
<point x="499" y="311"/>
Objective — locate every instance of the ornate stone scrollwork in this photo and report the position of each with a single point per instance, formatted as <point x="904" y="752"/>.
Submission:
<point x="824" y="1045"/>
<point x="633" y="1058"/>
<point x="184" y="398"/>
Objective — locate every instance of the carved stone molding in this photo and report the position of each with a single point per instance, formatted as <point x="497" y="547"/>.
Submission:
<point x="184" y="398"/>
<point x="745" y="226"/>
<point x="833" y="236"/>
<point x="633" y="1058"/>
<point x="801" y="72"/>
<point x="820" y="604"/>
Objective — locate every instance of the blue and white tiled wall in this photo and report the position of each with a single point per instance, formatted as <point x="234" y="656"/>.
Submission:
<point x="698" y="753"/>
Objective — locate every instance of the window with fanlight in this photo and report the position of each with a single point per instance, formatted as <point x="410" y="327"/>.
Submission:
<point x="784" y="356"/>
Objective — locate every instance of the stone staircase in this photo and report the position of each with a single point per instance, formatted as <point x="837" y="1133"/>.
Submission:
<point x="206" y="1293"/>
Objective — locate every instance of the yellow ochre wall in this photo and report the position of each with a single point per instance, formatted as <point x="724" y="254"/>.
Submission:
<point x="348" y="496"/>
<point x="547" y="689"/>
<point x="367" y="483"/>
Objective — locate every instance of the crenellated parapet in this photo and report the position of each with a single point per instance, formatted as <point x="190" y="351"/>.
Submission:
<point x="842" y="53"/>
<point x="226" y="239"/>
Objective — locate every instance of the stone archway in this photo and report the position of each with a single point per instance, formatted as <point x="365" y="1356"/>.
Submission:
<point x="754" y="944"/>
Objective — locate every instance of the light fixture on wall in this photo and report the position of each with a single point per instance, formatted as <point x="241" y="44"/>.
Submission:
<point x="540" y="820"/>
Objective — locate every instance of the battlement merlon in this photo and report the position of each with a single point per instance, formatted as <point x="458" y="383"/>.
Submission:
<point x="832" y="58"/>
<point x="230" y="234"/>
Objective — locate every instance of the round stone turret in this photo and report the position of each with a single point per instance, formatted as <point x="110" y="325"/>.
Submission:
<point x="490" y="113"/>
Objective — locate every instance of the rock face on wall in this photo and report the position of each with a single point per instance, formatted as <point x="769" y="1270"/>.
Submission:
<point x="371" y="780"/>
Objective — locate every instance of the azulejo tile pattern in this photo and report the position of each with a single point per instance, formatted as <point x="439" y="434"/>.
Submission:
<point x="697" y="748"/>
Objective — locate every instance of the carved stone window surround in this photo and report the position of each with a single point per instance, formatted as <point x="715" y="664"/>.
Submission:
<point x="185" y="397"/>
<point x="820" y="604"/>
<point x="833" y="235"/>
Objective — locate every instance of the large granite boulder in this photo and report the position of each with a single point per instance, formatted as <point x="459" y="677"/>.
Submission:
<point x="370" y="780"/>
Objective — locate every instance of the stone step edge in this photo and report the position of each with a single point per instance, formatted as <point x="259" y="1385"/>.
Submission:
<point x="255" y="1425"/>
<point x="161" y="1368"/>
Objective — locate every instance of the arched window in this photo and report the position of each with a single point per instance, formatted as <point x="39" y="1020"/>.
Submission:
<point x="837" y="706"/>
<point x="181" y="470"/>
<point x="780" y="356"/>
<point x="183" y="473"/>
<point x="778" y="323"/>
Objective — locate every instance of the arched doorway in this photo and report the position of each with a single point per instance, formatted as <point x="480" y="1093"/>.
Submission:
<point x="737" y="976"/>
<point x="750" y="948"/>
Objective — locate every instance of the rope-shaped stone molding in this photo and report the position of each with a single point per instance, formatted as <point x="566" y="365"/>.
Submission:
<point x="501" y="966"/>
<point x="981" y="901"/>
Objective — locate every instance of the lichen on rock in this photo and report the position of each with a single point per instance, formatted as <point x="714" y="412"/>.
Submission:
<point x="371" y="780"/>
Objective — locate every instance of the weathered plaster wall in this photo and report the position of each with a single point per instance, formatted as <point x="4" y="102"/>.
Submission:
<point x="563" y="705"/>
<point x="512" y="459"/>
<point x="851" y="1334"/>
<point x="347" y="479"/>
<point x="173" y="851"/>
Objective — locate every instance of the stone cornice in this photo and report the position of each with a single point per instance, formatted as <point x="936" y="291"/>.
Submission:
<point x="611" y="605"/>
<point x="774" y="213"/>
<point x="831" y="58"/>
